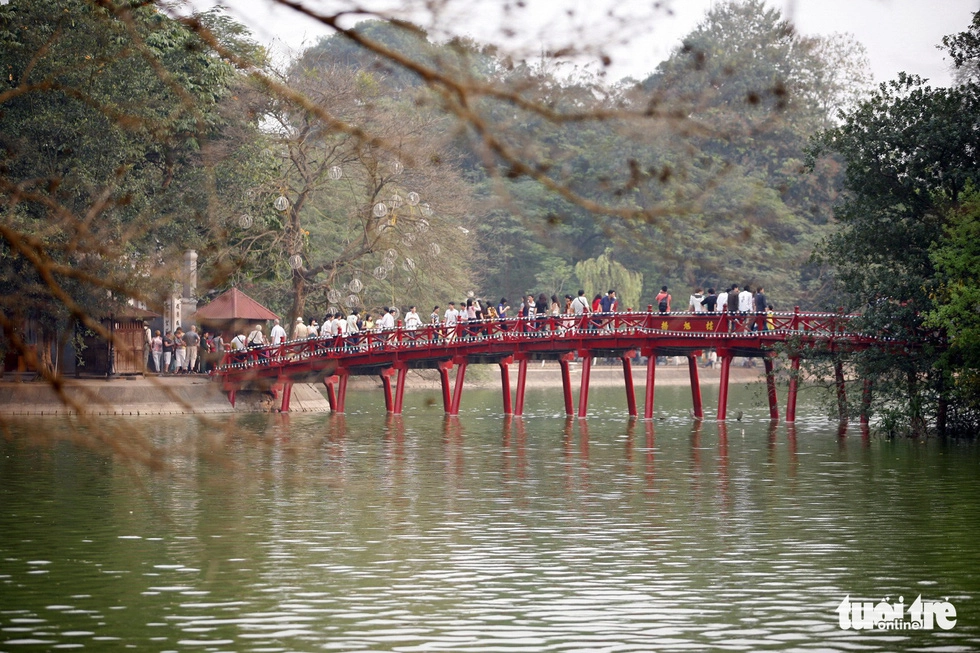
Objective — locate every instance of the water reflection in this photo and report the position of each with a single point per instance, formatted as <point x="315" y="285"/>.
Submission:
<point x="365" y="532"/>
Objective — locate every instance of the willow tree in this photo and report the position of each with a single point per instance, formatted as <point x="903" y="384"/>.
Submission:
<point x="603" y="273"/>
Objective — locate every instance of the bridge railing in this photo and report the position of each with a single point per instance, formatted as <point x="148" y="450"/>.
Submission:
<point x="533" y="329"/>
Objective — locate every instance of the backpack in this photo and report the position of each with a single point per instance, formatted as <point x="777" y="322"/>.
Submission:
<point x="663" y="304"/>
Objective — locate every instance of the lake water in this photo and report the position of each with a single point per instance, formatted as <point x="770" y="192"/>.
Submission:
<point x="370" y="533"/>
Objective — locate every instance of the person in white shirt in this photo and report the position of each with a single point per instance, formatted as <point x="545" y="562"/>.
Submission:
<point x="278" y="334"/>
<point x="745" y="301"/>
<point x="450" y="319"/>
<point x="746" y="304"/>
<point x="313" y="330"/>
<point x="696" y="304"/>
<point x="352" y="322"/>
<point x="412" y="319"/>
<point x="387" y="321"/>
<point x="721" y="305"/>
<point x="256" y="338"/>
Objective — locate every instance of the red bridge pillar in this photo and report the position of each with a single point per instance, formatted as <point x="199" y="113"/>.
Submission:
<point x="336" y="397"/>
<point x="444" y="369"/>
<point x="521" y="384"/>
<point x="583" y="393"/>
<point x="726" y="366"/>
<point x="793" y="385"/>
<point x="628" y="378"/>
<point x="287" y="393"/>
<point x="651" y="355"/>
<point x="458" y="389"/>
<point x="692" y="366"/>
<point x="771" y="389"/>
<point x="504" y="364"/>
<point x="566" y="382"/>
<point x="386" y="375"/>
<point x="400" y="387"/>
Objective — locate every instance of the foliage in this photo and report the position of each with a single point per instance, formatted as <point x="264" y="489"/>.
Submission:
<point x="111" y="136"/>
<point x="956" y="310"/>
<point x="604" y="272"/>
<point x="910" y="155"/>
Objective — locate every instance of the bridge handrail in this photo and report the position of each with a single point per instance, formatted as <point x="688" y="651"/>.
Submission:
<point x="524" y="329"/>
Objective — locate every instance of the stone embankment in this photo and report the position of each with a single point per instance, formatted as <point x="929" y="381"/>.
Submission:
<point x="152" y="395"/>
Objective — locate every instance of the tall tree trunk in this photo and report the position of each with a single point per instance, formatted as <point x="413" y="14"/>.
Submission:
<point x="299" y="300"/>
<point x="917" y="423"/>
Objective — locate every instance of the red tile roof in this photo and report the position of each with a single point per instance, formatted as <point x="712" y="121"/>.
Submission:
<point x="234" y="305"/>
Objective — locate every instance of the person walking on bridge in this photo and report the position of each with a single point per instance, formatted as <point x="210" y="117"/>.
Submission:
<point x="278" y="334"/>
<point x="663" y="300"/>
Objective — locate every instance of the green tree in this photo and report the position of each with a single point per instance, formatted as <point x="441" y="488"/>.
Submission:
<point x="111" y="134"/>
<point x="910" y="156"/>
<point x="956" y="312"/>
<point x="370" y="192"/>
<point x="604" y="273"/>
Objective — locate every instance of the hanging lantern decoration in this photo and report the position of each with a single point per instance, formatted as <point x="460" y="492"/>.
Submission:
<point x="281" y="203"/>
<point x="413" y="198"/>
<point x="335" y="172"/>
<point x="380" y="210"/>
<point x="333" y="296"/>
<point x="396" y="167"/>
<point x="426" y="209"/>
<point x="408" y="265"/>
<point x="434" y="249"/>
<point x="396" y="201"/>
<point x="355" y="285"/>
<point x="380" y="273"/>
<point x="422" y="226"/>
<point x="295" y="261"/>
<point x="352" y="301"/>
<point x="245" y="221"/>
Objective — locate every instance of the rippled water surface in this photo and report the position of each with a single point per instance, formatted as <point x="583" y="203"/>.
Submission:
<point x="369" y="533"/>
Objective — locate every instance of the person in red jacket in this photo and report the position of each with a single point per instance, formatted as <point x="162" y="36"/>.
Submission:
<point x="663" y="300"/>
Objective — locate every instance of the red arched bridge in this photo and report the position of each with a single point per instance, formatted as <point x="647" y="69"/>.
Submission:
<point x="391" y="353"/>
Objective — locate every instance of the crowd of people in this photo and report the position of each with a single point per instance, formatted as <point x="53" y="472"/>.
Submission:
<point x="184" y="353"/>
<point x="733" y="300"/>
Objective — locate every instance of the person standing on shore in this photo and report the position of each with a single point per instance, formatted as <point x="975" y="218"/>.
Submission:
<point x="156" y="349"/>
<point x="168" y="352"/>
<point x="180" y="351"/>
<point x="193" y="342"/>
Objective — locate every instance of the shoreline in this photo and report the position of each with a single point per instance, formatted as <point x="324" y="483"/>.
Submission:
<point x="198" y="394"/>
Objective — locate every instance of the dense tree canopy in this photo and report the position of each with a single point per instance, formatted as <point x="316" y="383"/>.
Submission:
<point x="115" y="148"/>
<point x="911" y="161"/>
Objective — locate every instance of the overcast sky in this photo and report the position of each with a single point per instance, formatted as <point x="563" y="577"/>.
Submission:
<point x="900" y="35"/>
